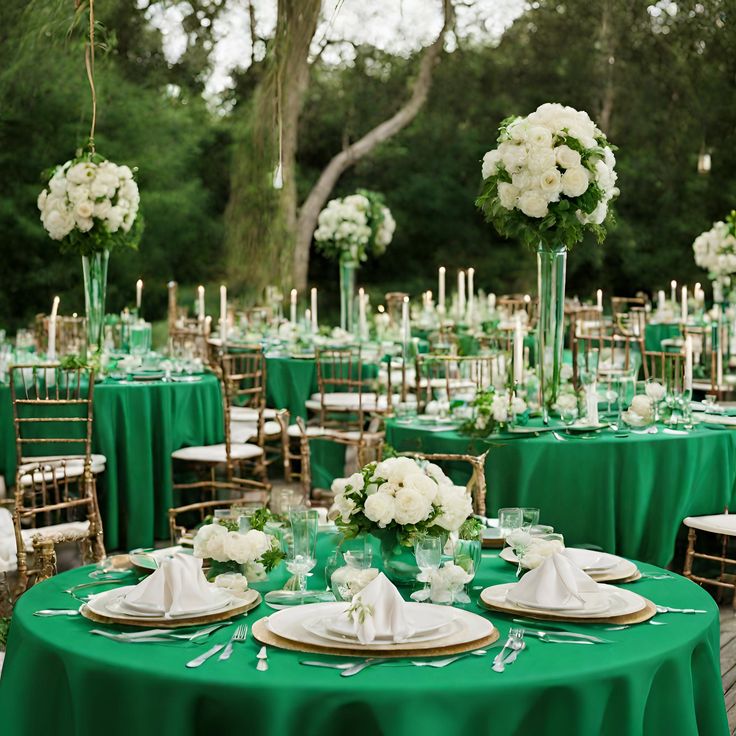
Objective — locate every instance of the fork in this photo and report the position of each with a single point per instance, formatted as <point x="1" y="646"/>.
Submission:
<point x="448" y="660"/>
<point x="515" y="643"/>
<point x="240" y="635"/>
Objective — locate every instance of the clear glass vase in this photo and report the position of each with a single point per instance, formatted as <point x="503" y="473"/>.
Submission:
<point x="399" y="562"/>
<point x="551" y="267"/>
<point x="347" y="294"/>
<point x="94" y="268"/>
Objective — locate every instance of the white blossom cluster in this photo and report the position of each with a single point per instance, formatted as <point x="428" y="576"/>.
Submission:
<point x="215" y="542"/>
<point x="345" y="224"/>
<point x="715" y="250"/>
<point x="532" y="551"/>
<point x="543" y="168"/>
<point x="400" y="491"/>
<point x="79" y="195"/>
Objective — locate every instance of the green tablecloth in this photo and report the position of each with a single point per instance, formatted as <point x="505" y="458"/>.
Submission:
<point x="653" y="680"/>
<point x="136" y="427"/>
<point x="627" y="495"/>
<point x="658" y="331"/>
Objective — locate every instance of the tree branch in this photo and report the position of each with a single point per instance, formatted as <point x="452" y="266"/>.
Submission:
<point x="342" y="161"/>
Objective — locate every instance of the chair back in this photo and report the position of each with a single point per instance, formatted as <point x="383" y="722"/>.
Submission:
<point x="667" y="368"/>
<point x="340" y="370"/>
<point x="70" y="334"/>
<point x="244" y="385"/>
<point x="52" y="411"/>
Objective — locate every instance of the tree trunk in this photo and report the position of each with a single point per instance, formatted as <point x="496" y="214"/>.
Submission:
<point x="607" y="61"/>
<point x="260" y="220"/>
<point x="315" y="201"/>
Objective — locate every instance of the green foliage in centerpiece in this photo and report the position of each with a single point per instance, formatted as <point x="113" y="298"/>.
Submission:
<point x="550" y="179"/>
<point x="715" y="249"/>
<point x="492" y="410"/>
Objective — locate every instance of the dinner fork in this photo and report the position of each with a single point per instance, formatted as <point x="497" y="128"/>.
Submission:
<point x="240" y="635"/>
<point x="515" y="643"/>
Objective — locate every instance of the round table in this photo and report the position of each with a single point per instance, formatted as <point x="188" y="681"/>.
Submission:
<point x="628" y="495"/>
<point x="137" y="425"/>
<point x="59" y="679"/>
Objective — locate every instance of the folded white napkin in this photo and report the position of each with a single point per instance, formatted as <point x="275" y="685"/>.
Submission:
<point x="379" y="611"/>
<point x="178" y="586"/>
<point x="557" y="584"/>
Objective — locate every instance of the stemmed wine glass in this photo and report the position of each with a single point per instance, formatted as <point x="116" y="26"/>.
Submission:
<point x="428" y="552"/>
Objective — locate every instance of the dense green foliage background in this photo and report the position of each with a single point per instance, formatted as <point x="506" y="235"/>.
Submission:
<point x="671" y="81"/>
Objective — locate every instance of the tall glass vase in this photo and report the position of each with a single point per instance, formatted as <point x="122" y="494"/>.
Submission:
<point x="551" y="266"/>
<point x="94" y="268"/>
<point x="347" y="294"/>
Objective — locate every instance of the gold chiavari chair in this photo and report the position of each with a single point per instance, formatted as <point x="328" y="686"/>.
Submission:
<point x="623" y="304"/>
<point x="55" y="494"/>
<point x="667" y="368"/>
<point x="512" y="303"/>
<point x="613" y="351"/>
<point x="455" y="375"/>
<point x="183" y="519"/>
<point x="348" y="409"/>
<point x="296" y="455"/>
<point x="70" y="334"/>
<point x="476" y="485"/>
<point x="222" y="467"/>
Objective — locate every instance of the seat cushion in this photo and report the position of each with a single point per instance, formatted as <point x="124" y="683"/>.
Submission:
<point x="8" y="559"/>
<point x="98" y="461"/>
<point x="247" y="431"/>
<point x="716" y="523"/>
<point x="69" y="531"/>
<point x="312" y="432"/>
<point x="346" y="401"/>
<point x="247" y="414"/>
<point x="217" y="453"/>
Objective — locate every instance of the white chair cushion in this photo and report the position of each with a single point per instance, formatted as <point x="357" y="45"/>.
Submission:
<point x="70" y="529"/>
<point x="247" y="414"/>
<point x="313" y="404"/>
<point x="8" y="558"/>
<point x="716" y="523"/>
<point x="346" y="401"/>
<point x="98" y="461"/>
<point x="294" y="431"/>
<point x="246" y="431"/>
<point x="217" y="453"/>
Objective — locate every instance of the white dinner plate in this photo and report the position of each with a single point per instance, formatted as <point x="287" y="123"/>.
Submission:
<point x="621" y="569"/>
<point x="110" y="603"/>
<point x="289" y="624"/>
<point x="423" y="620"/>
<point x="318" y="627"/>
<point x="620" y="603"/>
<point x="591" y="561"/>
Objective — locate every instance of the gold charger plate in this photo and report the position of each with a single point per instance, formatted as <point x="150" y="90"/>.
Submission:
<point x="176" y="623"/>
<point x="264" y="635"/>
<point x="638" y="617"/>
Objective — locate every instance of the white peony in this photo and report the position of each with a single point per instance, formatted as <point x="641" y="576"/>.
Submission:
<point x="208" y="542"/>
<point x="81" y="173"/>
<point x="411" y="506"/>
<point x="456" y="506"/>
<point x="541" y="159"/>
<point x="513" y="156"/>
<point x="423" y="484"/>
<point x="248" y="547"/>
<point x="490" y="163"/>
<point x="379" y="507"/>
<point x="233" y="582"/>
<point x="345" y="507"/>
<point x="539" y="136"/>
<point x="575" y="182"/>
<point x="533" y="203"/>
<point x="437" y="474"/>
<point x="84" y="209"/>
<point x="508" y="195"/>
<point x="550" y="184"/>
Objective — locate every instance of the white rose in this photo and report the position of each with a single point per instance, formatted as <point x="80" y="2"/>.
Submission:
<point x="519" y="130"/>
<point x="81" y="173"/>
<point x="490" y="163"/>
<point x="78" y="193"/>
<point x="356" y="482"/>
<point x="102" y="209"/>
<point x="424" y="485"/>
<point x="513" y="156"/>
<point x="411" y="507"/>
<point x="114" y="219"/>
<point x="84" y="209"/>
<point x="550" y="184"/>
<point x="642" y="405"/>
<point x="389" y="489"/>
<point x="344" y="506"/>
<point x="41" y="201"/>
<point x="456" y="505"/>
<point x="208" y="542"/>
<point x="533" y="204"/>
<point x="500" y="409"/>
<point x="575" y="182"/>
<point x="58" y="184"/>
<point x="508" y="195"/>
<point x="232" y="582"/>
<point x="84" y="224"/>
<point x="379" y="508"/>
<point x="522" y="180"/>
<point x="437" y="474"/>
<point x="541" y="159"/>
<point x="539" y="136"/>
<point x="566" y="157"/>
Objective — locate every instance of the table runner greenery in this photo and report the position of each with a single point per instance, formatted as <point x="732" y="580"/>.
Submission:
<point x="657" y="680"/>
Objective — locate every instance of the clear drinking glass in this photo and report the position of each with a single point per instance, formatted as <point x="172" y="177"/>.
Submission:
<point x="529" y="518"/>
<point x="428" y="552"/>
<point x="140" y="338"/>
<point x="303" y="549"/>
<point x="509" y="519"/>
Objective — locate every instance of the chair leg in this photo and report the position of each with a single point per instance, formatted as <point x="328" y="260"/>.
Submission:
<point x="46" y="553"/>
<point x="688" y="569"/>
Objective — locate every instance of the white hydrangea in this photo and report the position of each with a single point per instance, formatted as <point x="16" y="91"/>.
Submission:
<point x="84" y="195"/>
<point x="542" y="156"/>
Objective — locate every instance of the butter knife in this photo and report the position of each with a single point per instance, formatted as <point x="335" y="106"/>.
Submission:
<point x="204" y="657"/>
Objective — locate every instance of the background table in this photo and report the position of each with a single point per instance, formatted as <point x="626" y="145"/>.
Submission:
<point x="137" y="426"/>
<point x="653" y="680"/>
<point x="627" y="495"/>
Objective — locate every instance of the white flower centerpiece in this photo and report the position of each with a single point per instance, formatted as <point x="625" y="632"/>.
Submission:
<point x="349" y="230"/>
<point x="550" y="180"/>
<point x="715" y="251"/>
<point x="252" y="554"/>
<point x="492" y="411"/>
<point x="91" y="206"/>
<point x="398" y="500"/>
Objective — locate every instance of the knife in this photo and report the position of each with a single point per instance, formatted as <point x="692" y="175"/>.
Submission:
<point x="204" y="657"/>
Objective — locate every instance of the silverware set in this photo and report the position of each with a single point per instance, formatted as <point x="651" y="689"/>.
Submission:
<point x="159" y="635"/>
<point x="510" y="650"/>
